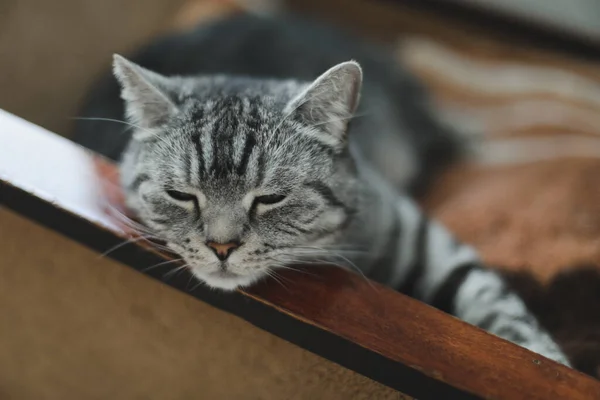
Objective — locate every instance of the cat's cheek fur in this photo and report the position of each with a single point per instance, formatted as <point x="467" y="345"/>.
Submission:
<point x="133" y="202"/>
<point x="136" y="201"/>
<point x="331" y="220"/>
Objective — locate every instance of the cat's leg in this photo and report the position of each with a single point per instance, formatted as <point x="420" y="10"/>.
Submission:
<point x="481" y="297"/>
<point x="450" y="276"/>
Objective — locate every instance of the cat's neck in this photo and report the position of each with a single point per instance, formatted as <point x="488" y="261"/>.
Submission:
<point x="374" y="220"/>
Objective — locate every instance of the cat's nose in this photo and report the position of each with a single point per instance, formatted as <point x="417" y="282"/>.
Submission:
<point x="223" y="250"/>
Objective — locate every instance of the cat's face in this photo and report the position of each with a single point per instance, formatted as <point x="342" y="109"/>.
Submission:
<point x="240" y="183"/>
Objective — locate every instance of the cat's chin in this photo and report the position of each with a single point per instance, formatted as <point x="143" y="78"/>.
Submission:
<point x="226" y="281"/>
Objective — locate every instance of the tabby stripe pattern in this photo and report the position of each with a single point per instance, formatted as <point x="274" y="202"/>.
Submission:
<point x="450" y="276"/>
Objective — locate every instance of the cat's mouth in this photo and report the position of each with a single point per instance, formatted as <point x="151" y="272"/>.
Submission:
<point x="226" y="280"/>
<point x="224" y="274"/>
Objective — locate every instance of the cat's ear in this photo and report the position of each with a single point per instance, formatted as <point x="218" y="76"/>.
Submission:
<point x="147" y="101"/>
<point x="330" y="101"/>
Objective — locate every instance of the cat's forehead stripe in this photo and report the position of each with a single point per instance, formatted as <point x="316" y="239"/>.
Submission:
<point x="249" y="146"/>
<point x="225" y="139"/>
<point x="197" y="139"/>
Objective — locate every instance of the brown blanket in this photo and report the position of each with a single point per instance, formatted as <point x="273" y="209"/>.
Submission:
<point x="529" y="199"/>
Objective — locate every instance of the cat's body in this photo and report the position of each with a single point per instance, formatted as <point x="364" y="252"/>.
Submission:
<point x="249" y="164"/>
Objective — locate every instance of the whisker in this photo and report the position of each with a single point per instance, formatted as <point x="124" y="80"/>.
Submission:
<point x="127" y="221"/>
<point x="161" y="264"/>
<point x="284" y="279"/>
<point x="197" y="285"/>
<point x="341" y="247"/>
<point x="140" y="230"/>
<point x="347" y="263"/>
<point x="340" y="119"/>
<point x="125" y="243"/>
<point x="175" y="271"/>
<point x="326" y="252"/>
<point x="308" y="251"/>
<point x="151" y="241"/>
<point x="296" y="269"/>
<point x="313" y="261"/>
<point x="112" y="120"/>
<point x="129" y="124"/>
<point x="131" y="223"/>
<point x="276" y="279"/>
<point x="161" y="247"/>
<point x="187" y="285"/>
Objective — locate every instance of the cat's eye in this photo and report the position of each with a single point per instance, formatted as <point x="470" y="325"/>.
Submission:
<point x="269" y="199"/>
<point x="181" y="196"/>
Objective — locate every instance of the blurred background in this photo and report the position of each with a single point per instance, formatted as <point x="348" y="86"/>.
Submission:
<point x="51" y="51"/>
<point x="520" y="77"/>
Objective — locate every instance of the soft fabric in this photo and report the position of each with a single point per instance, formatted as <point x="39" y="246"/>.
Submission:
<point x="529" y="200"/>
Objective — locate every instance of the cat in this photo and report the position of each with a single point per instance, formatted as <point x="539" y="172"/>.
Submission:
<point x="255" y="145"/>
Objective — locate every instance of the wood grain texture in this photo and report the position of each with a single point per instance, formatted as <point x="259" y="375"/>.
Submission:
<point x="361" y="325"/>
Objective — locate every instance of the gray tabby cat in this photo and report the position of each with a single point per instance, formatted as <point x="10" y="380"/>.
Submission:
<point x="261" y="165"/>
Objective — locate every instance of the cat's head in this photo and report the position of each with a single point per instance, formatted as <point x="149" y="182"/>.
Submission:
<point x="240" y="176"/>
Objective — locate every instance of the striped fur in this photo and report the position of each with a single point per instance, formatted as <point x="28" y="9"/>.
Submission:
<point x="450" y="276"/>
<point x="280" y="169"/>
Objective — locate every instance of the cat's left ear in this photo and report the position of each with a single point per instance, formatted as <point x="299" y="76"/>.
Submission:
<point x="330" y="101"/>
<point x="146" y="94"/>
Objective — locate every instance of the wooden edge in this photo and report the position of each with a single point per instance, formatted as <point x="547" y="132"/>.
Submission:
<point x="338" y="315"/>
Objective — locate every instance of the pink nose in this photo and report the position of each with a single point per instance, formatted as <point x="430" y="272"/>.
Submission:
<point x="223" y="250"/>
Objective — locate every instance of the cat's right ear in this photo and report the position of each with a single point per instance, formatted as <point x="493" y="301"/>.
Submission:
<point x="329" y="102"/>
<point x="147" y="101"/>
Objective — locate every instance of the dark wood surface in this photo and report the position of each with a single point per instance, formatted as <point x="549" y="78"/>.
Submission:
<point x="358" y="324"/>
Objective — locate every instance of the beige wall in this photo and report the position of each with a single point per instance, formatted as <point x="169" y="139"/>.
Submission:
<point x="50" y="50"/>
<point x="73" y="326"/>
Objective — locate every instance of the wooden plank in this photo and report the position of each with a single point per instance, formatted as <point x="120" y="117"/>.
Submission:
<point x="363" y="326"/>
